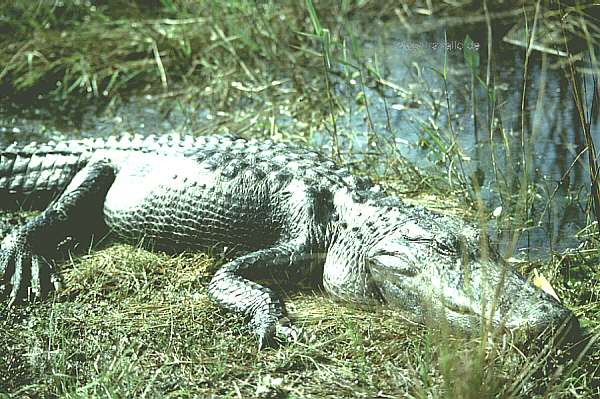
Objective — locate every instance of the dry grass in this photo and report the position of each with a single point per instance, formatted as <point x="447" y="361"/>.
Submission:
<point x="135" y="323"/>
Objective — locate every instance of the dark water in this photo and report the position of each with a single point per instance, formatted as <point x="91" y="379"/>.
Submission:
<point x="542" y="132"/>
<point x="410" y="108"/>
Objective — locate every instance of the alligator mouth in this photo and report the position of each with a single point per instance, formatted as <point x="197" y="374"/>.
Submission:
<point x="460" y="309"/>
<point x="464" y="318"/>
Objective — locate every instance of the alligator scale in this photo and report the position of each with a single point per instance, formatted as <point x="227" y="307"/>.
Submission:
<point x="275" y="209"/>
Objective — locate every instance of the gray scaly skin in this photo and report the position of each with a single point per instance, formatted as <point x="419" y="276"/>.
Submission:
<point x="276" y="209"/>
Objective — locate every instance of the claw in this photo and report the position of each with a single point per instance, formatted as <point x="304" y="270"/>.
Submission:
<point x="56" y="281"/>
<point x="283" y="330"/>
<point x="24" y="275"/>
<point x="266" y="334"/>
<point x="35" y="289"/>
<point x="291" y="333"/>
<point x="263" y="342"/>
<point x="3" y="263"/>
<point x="15" y="281"/>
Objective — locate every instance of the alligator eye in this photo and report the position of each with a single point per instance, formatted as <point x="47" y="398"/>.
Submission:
<point x="445" y="247"/>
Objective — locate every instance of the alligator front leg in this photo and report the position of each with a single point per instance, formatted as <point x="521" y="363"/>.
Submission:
<point x="232" y="289"/>
<point x="24" y="269"/>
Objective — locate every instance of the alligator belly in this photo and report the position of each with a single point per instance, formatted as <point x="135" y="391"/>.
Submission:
<point x="181" y="203"/>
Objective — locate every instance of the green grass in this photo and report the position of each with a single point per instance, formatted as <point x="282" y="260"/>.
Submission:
<point x="131" y="323"/>
<point x="135" y="323"/>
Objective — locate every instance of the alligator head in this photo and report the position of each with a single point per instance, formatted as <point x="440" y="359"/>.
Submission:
<point x="426" y="264"/>
<point x="441" y="264"/>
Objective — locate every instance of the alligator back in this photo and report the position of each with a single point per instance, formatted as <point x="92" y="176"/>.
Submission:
<point x="31" y="175"/>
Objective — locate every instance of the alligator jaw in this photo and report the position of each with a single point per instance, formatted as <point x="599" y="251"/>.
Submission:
<point x="416" y="279"/>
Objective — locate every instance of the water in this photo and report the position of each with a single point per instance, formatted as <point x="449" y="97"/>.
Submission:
<point x="547" y="122"/>
<point x="406" y="110"/>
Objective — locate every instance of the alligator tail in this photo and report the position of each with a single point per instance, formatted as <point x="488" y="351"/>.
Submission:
<point x="32" y="175"/>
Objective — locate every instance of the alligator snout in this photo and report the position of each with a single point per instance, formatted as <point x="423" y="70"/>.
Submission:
<point x="539" y="314"/>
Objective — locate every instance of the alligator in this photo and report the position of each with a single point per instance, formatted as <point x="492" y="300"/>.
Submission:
<point x="275" y="210"/>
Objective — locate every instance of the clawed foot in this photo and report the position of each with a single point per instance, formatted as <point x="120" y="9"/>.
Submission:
<point x="24" y="275"/>
<point x="282" y="331"/>
<point x="288" y="332"/>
